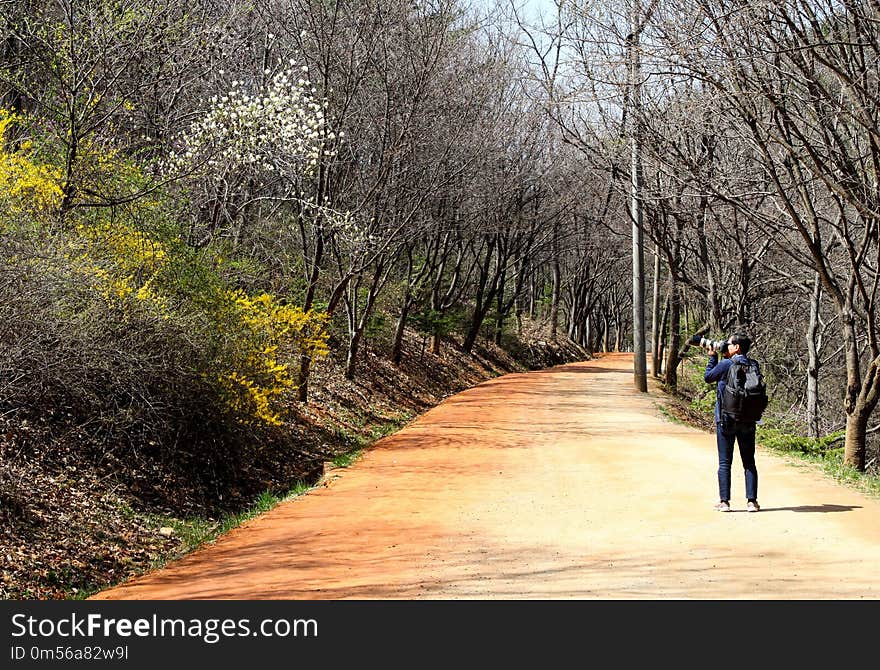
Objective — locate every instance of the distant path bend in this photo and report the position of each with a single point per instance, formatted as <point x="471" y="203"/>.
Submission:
<point x="564" y="483"/>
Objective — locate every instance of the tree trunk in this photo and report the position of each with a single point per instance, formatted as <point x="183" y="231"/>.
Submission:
<point x="499" y="309"/>
<point x="813" y="362"/>
<point x="655" y="316"/>
<point x="354" y="341"/>
<point x="858" y="413"/>
<point x="554" y="300"/>
<point x="586" y="337"/>
<point x="854" y="443"/>
<point x="305" y="362"/>
<point x="482" y="301"/>
<point x="440" y="302"/>
<point x="357" y="320"/>
<point x="532" y="299"/>
<point x="856" y="417"/>
<point x="470" y="338"/>
<point x="672" y="356"/>
<point x="557" y="282"/>
<point x="12" y="99"/>
<point x="661" y="340"/>
<point x="397" y="347"/>
<point x="606" y="338"/>
<point x="713" y="296"/>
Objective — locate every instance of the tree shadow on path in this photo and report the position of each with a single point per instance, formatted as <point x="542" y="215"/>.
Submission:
<point x="813" y="508"/>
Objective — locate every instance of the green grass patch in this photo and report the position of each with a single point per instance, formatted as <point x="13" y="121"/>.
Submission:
<point x="389" y="427"/>
<point x="371" y="433"/>
<point x="358" y="433"/>
<point x="822" y="452"/>
<point x="346" y="459"/>
<point x="823" y="447"/>
<point x="668" y="414"/>
<point x="368" y="433"/>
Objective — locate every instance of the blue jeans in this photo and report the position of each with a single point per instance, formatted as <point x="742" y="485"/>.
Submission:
<point x="744" y="434"/>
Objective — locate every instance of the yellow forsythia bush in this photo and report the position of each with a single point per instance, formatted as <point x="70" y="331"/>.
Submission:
<point x="259" y="338"/>
<point x="26" y="185"/>
<point x="274" y="335"/>
<point x="124" y="263"/>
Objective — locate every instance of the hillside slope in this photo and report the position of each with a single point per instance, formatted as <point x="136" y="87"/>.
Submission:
<point x="76" y="516"/>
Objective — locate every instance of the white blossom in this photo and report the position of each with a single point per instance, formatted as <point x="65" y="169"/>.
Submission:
<point x="257" y="132"/>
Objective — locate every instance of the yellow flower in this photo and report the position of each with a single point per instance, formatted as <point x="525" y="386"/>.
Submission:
<point x="271" y="336"/>
<point x="26" y="186"/>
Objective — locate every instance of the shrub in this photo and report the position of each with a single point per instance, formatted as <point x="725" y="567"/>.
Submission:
<point x="267" y="336"/>
<point x="821" y="446"/>
<point x="125" y="337"/>
<point x="430" y="321"/>
<point x="28" y="186"/>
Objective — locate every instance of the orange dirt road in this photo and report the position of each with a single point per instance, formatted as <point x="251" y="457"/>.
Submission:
<point x="559" y="484"/>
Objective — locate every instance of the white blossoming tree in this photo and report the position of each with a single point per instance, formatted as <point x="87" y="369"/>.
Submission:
<point x="250" y="146"/>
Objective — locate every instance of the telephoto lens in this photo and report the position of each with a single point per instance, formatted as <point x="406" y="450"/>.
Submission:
<point x="719" y="346"/>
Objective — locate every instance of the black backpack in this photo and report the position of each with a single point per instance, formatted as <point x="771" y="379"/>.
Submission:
<point x="745" y="394"/>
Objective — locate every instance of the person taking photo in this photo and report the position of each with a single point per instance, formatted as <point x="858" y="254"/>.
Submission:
<point x="732" y="429"/>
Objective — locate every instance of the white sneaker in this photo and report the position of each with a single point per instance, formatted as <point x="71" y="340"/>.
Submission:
<point x="753" y="506"/>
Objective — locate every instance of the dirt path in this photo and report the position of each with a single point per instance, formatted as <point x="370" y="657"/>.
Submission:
<point x="564" y="483"/>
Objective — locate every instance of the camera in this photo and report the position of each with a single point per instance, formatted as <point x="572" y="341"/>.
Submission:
<point x="710" y="345"/>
